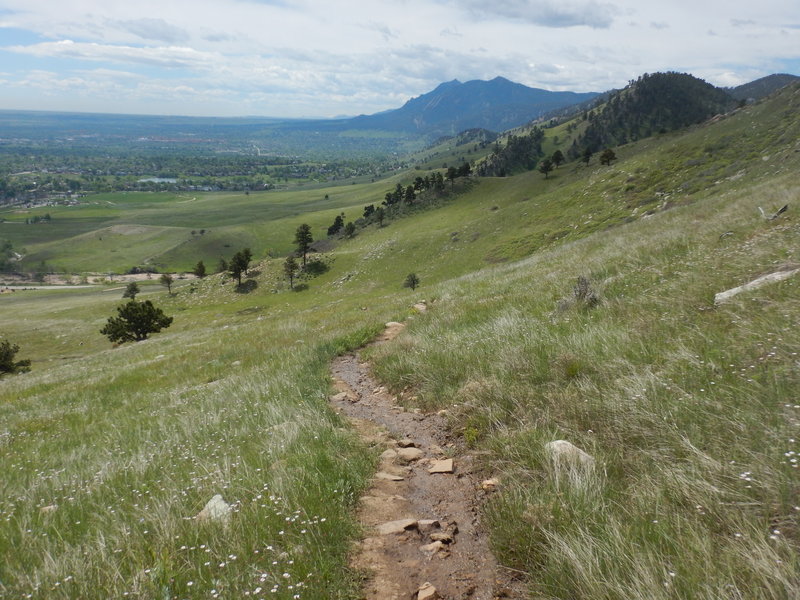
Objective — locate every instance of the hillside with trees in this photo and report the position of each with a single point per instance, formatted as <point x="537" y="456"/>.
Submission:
<point x="654" y="103"/>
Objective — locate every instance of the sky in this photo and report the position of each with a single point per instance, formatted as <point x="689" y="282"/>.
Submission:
<point x="308" y="58"/>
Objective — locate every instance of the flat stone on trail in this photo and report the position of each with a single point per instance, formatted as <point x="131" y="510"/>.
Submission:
<point x="442" y="466"/>
<point x="432" y="548"/>
<point x="427" y="592"/>
<point x="425" y="525"/>
<point x="215" y="509"/>
<point x="407" y="443"/>
<point x="388" y="454"/>
<point x="388" y="476"/>
<point x="407" y="455"/>
<point x="399" y="526"/>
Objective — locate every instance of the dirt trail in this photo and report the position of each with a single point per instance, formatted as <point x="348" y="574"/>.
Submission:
<point x="423" y="527"/>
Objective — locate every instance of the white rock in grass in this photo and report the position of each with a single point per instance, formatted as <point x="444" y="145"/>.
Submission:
<point x="215" y="509"/>
<point x="754" y="285"/>
<point x="567" y="455"/>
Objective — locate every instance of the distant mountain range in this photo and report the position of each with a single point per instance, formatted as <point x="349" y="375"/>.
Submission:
<point x="453" y="107"/>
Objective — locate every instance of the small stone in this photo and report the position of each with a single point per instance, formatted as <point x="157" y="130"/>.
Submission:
<point x="427" y="592"/>
<point x="388" y="476"/>
<point x="215" y="509"/>
<point x="441" y="466"/>
<point x="490" y="485"/>
<point x="399" y="526"/>
<point x="407" y="443"/>
<point x="426" y="525"/>
<point x="45" y="510"/>
<point x="421" y="307"/>
<point x="444" y="537"/>
<point x="407" y="455"/>
<point x="388" y="454"/>
<point x="432" y="548"/>
<point x="442" y="413"/>
<point x="236" y="363"/>
<point x="340" y="397"/>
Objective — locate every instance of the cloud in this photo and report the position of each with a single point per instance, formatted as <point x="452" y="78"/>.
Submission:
<point x="742" y="22"/>
<point x="154" y="29"/>
<point x="450" y="32"/>
<point x="547" y="13"/>
<point x="386" y="32"/>
<point x="171" y="57"/>
<point x="659" y="25"/>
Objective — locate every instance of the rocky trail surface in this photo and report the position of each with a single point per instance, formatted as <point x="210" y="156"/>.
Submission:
<point x="424" y="536"/>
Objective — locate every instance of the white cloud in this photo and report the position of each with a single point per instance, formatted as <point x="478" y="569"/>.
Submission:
<point x="155" y="29"/>
<point x="293" y="57"/>
<point x="547" y="13"/>
<point x="170" y="57"/>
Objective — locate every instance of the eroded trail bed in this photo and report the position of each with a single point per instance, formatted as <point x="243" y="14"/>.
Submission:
<point x="420" y="513"/>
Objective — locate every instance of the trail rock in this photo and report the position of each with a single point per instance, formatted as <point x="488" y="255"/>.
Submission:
<point x="399" y="526"/>
<point x="421" y="306"/>
<point x="389" y="454"/>
<point x="445" y="537"/>
<point x="342" y="396"/>
<point x="426" y="525"/>
<point x="407" y="455"/>
<point x="215" y="509"/>
<point x="427" y="592"/>
<point x="407" y="443"/>
<point x="432" y="548"/>
<point x="388" y="476"/>
<point x="442" y="466"/>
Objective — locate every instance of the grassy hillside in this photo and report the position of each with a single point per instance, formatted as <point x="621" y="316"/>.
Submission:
<point x="688" y="409"/>
<point x="114" y="232"/>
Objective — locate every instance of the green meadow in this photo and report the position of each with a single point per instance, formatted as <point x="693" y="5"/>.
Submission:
<point x="689" y="409"/>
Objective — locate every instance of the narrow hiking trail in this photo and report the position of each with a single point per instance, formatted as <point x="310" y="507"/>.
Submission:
<point x="424" y="536"/>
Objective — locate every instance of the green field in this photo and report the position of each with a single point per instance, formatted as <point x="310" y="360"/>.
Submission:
<point x="690" y="409"/>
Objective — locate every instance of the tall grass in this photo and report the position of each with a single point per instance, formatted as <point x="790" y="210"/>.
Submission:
<point x="689" y="409"/>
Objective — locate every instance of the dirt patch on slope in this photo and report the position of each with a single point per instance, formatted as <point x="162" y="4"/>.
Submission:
<point x="421" y="512"/>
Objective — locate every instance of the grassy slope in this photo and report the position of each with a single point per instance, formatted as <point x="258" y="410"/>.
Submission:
<point x="117" y="231"/>
<point x="231" y="398"/>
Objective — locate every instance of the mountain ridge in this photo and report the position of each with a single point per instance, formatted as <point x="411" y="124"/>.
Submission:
<point x="497" y="104"/>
